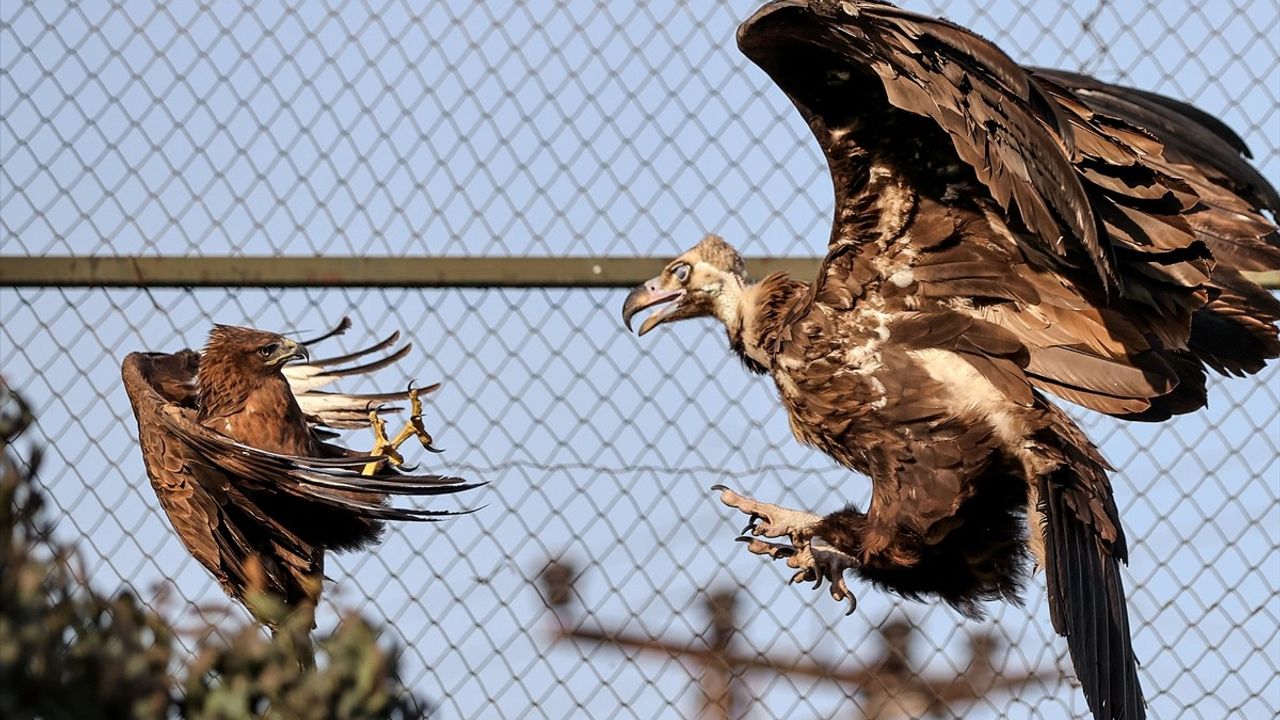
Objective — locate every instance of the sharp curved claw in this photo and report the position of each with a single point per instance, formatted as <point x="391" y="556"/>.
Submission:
<point x="773" y="550"/>
<point x="433" y="449"/>
<point x="853" y="602"/>
<point x="814" y="559"/>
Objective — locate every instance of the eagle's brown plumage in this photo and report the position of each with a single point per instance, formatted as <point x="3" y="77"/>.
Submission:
<point x="1001" y="233"/>
<point x="244" y="471"/>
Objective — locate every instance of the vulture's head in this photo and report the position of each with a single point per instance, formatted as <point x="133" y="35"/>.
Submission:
<point x="704" y="281"/>
<point x="249" y="352"/>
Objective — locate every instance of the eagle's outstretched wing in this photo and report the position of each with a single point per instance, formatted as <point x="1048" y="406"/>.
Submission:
<point x="327" y="410"/>
<point x="222" y="496"/>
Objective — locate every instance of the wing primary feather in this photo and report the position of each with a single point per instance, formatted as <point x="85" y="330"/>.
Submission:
<point x="339" y="359"/>
<point x="343" y="325"/>
<point x="372" y="366"/>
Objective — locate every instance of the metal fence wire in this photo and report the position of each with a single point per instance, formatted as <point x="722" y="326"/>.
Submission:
<point x="600" y="129"/>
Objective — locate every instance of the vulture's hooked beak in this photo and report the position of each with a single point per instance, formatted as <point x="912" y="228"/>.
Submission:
<point x="288" y="350"/>
<point x="646" y="296"/>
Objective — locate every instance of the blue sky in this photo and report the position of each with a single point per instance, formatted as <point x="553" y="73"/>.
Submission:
<point x="571" y="128"/>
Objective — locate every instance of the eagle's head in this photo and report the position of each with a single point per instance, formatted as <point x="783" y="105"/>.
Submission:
<point x="704" y="281"/>
<point x="250" y="352"/>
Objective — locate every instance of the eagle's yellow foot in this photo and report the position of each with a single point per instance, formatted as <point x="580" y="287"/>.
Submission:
<point x="389" y="448"/>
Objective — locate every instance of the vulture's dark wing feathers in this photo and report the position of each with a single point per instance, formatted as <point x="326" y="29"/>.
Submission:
<point x="1104" y="227"/>
<point x="999" y="119"/>
<point x="1189" y="134"/>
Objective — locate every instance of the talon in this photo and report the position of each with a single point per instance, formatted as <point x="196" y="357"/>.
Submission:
<point x="760" y="547"/>
<point x="381" y="445"/>
<point x="814" y="559"/>
<point x="415" y="427"/>
<point x="388" y="448"/>
<point x="729" y="497"/>
<point x="853" y="601"/>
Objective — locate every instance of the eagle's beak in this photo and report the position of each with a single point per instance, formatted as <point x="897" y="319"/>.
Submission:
<point x="289" y="350"/>
<point x="646" y="296"/>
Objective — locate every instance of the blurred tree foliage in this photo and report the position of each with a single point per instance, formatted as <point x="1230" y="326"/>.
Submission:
<point x="69" y="651"/>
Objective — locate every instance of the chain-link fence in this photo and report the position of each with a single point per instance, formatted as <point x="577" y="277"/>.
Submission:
<point x="593" y="129"/>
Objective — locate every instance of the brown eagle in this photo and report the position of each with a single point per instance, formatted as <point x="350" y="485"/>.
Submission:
<point x="237" y="446"/>
<point x="1001" y="234"/>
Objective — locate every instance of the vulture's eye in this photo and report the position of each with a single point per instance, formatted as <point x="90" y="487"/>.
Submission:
<point x="268" y="350"/>
<point x="681" y="272"/>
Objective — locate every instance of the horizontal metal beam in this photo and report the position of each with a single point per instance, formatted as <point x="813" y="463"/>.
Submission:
<point x="418" y="272"/>
<point x="422" y="272"/>
<point x="976" y="685"/>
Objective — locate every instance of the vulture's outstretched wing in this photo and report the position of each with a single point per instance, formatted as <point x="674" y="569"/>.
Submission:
<point x="1102" y="228"/>
<point x="1190" y="136"/>
<point x="830" y="58"/>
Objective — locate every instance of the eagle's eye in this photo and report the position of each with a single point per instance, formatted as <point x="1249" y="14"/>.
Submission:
<point x="681" y="272"/>
<point x="268" y="350"/>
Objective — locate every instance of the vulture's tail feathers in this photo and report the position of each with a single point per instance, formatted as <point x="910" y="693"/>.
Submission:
<point x="1083" y="550"/>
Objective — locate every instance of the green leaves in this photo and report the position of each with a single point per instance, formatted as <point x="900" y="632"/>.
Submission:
<point x="253" y="676"/>
<point x="69" y="651"/>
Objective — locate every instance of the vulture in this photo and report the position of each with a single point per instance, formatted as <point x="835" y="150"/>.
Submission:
<point x="1003" y="235"/>
<point x="239" y="448"/>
